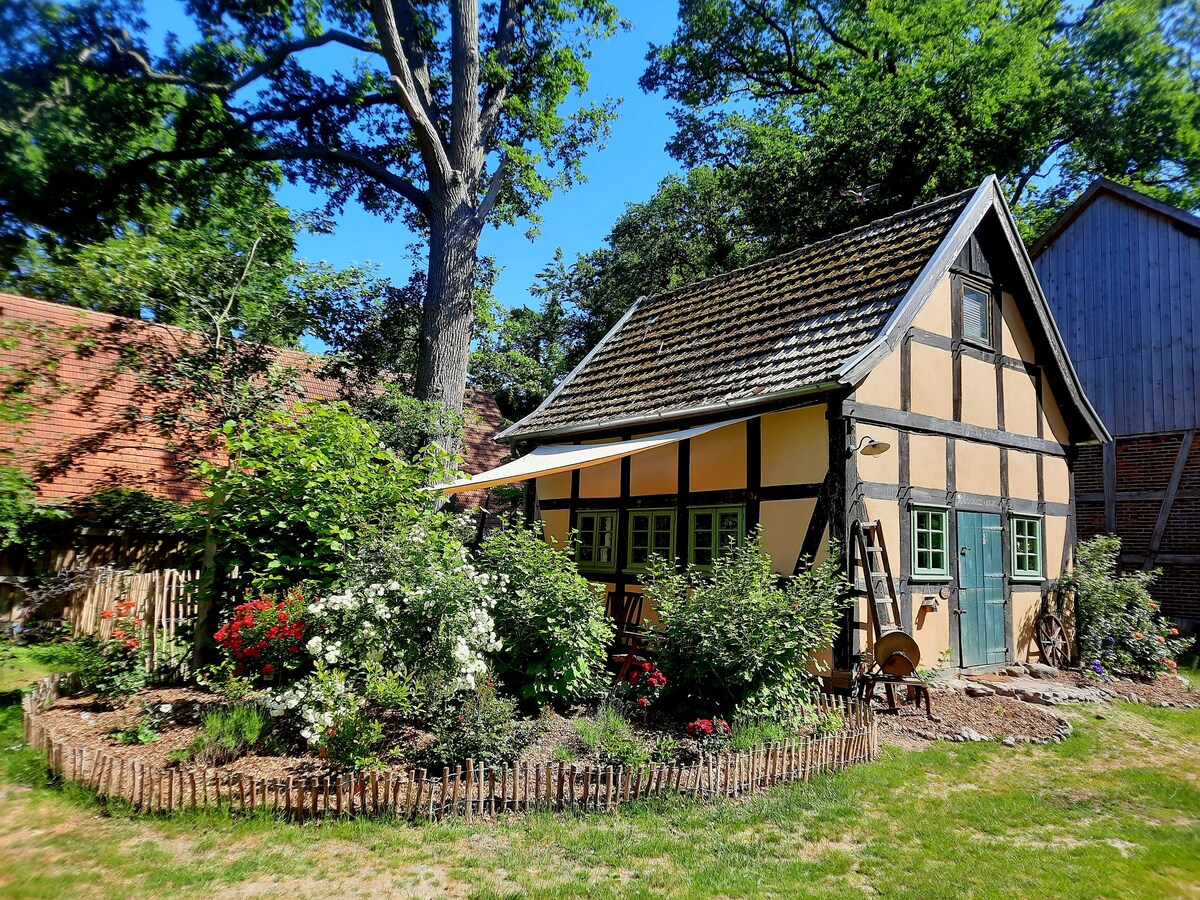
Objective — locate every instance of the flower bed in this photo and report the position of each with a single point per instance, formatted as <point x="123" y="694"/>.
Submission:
<point x="469" y="789"/>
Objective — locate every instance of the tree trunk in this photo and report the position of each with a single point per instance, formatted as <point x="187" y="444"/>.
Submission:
<point x="449" y="310"/>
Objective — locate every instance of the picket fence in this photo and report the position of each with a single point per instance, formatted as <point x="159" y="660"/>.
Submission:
<point x="161" y="599"/>
<point x="473" y="790"/>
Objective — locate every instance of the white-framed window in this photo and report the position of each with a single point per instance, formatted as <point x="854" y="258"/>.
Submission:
<point x="1027" y="547"/>
<point x="596" y="540"/>
<point x="976" y="306"/>
<point x="930" y="540"/>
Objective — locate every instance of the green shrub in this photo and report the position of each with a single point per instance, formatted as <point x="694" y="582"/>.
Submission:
<point x="300" y="485"/>
<point x="146" y="729"/>
<point x="609" y="739"/>
<point x="110" y="668"/>
<point x="743" y="639"/>
<point x="485" y="728"/>
<point x="229" y="733"/>
<point x="326" y="711"/>
<point x="550" y="620"/>
<point x="1119" y="629"/>
<point x="394" y="690"/>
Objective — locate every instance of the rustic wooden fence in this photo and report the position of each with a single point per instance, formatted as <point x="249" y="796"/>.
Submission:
<point x="472" y="790"/>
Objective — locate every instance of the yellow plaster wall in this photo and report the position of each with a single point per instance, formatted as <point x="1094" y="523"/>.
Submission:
<point x="977" y="468"/>
<point x="719" y="459"/>
<point x="931" y="627"/>
<point x="1020" y="403"/>
<point x="554" y="487"/>
<point x="882" y="386"/>
<point x="654" y="471"/>
<point x="784" y="522"/>
<point x="884" y="468"/>
<point x="932" y="382"/>
<point x="935" y="314"/>
<point x="795" y="446"/>
<point x="1056" y="477"/>
<point x="1014" y="336"/>
<point x="603" y="480"/>
<point x="1022" y="475"/>
<point x="979" y="400"/>
<point x="1057" y="563"/>
<point x="1055" y="427"/>
<point x="1025" y="606"/>
<point x="927" y="461"/>
<point x="556" y="524"/>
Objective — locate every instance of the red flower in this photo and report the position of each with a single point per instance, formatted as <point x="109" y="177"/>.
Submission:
<point x="633" y="677"/>
<point x="131" y="644"/>
<point x="107" y="614"/>
<point x="293" y="649"/>
<point x="268" y="670"/>
<point x="1161" y="639"/>
<point x="643" y="702"/>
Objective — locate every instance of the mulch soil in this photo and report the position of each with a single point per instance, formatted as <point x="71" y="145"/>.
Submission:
<point x="993" y="717"/>
<point x="1169" y="690"/>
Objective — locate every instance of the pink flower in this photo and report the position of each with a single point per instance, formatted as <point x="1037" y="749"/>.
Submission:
<point x="643" y="702"/>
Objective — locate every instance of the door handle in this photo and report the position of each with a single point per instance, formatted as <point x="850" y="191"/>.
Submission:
<point x="963" y="551"/>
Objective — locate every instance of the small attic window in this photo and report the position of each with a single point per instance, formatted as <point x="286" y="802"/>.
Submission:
<point x="976" y="314"/>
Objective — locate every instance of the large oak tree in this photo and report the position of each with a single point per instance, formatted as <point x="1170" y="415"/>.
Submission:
<point x="448" y="114"/>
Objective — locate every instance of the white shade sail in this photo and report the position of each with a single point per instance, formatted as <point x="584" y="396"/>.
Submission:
<point x="551" y="458"/>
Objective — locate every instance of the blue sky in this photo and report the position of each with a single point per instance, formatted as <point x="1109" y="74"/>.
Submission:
<point x="627" y="170"/>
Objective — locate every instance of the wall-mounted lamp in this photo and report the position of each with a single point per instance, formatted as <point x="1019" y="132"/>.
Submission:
<point x="868" y="446"/>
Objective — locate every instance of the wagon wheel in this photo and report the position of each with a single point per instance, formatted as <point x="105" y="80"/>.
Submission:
<point x="1052" y="640"/>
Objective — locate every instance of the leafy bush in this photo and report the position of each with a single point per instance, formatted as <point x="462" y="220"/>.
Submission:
<point x="413" y="601"/>
<point x="394" y="690"/>
<point x="609" y="739"/>
<point x="147" y="728"/>
<point x="485" y="729"/>
<point x="743" y="638"/>
<point x="113" y="667"/>
<point x="265" y="636"/>
<point x="550" y="619"/>
<point x="324" y="711"/>
<point x="301" y="484"/>
<point x="229" y="733"/>
<point x="710" y="735"/>
<point x="1119" y="629"/>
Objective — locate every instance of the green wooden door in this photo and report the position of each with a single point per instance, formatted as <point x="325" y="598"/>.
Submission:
<point x="981" y="590"/>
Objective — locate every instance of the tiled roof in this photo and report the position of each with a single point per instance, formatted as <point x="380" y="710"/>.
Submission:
<point x="93" y="425"/>
<point x="776" y="326"/>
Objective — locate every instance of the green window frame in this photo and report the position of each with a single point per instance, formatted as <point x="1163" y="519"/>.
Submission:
<point x="710" y="531"/>
<point x="596" y="540"/>
<point x="651" y="531"/>
<point x="930" y="543"/>
<point x="975" y="306"/>
<point x="1027" y="547"/>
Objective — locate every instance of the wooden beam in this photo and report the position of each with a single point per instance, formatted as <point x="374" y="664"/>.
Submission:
<point x="922" y="424"/>
<point x="1164" y="511"/>
<point x="1110" y="487"/>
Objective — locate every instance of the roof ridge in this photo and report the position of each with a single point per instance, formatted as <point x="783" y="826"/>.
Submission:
<point x="788" y="254"/>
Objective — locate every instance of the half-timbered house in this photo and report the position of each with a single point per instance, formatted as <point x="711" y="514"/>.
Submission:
<point x="908" y="371"/>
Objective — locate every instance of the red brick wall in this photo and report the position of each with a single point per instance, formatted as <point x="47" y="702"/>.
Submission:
<point x="1144" y="464"/>
<point x="93" y="425"/>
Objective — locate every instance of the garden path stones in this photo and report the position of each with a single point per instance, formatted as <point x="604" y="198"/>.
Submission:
<point x="1040" y="670"/>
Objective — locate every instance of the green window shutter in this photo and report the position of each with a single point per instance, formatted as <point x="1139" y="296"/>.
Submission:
<point x="1027" y="546"/>
<point x="930" y="539"/>
<point x="712" y="530"/>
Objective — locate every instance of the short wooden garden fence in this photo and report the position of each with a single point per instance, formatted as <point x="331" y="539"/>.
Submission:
<point x="473" y="790"/>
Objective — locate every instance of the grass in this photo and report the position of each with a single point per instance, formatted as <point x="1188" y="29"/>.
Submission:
<point x="1112" y="812"/>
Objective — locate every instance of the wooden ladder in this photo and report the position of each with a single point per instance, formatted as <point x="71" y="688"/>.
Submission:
<point x="869" y="554"/>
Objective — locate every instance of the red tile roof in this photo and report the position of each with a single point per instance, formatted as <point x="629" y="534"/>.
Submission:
<point x="93" y="424"/>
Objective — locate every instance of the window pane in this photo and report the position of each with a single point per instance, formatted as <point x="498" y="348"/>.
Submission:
<point x="662" y="540"/>
<point x="702" y="539"/>
<point x="702" y="556"/>
<point x="729" y="521"/>
<point x="702" y="520"/>
<point x="641" y="522"/>
<point x="641" y="539"/>
<point x="585" y="553"/>
<point x="976" y="321"/>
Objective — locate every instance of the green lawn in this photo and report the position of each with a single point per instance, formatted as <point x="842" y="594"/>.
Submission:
<point x="1113" y="812"/>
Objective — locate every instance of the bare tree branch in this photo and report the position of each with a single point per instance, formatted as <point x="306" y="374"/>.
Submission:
<point x="429" y="138"/>
<point x="496" y="94"/>
<point x="464" y="81"/>
<point x="270" y="63"/>
<point x="495" y="184"/>
<point x="411" y="40"/>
